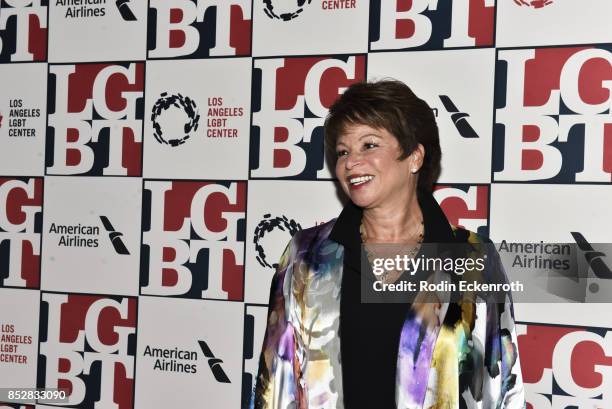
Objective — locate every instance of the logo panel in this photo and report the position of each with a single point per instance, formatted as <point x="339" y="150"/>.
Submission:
<point x="531" y="213"/>
<point x="202" y="359"/>
<point x="20" y="226"/>
<point x="272" y="223"/>
<point x="291" y="97"/>
<point x="199" y="28"/>
<point x="286" y="27"/>
<point x="18" y="337"/>
<point x="91" y="245"/>
<point x="193" y="239"/>
<point x="87" y="345"/>
<point x="536" y="4"/>
<point x="197" y="119"/>
<point x="255" y="321"/>
<point x="466" y="206"/>
<point x="431" y="24"/>
<point x="553" y="121"/>
<point x="95" y="119"/>
<point x="23" y="30"/>
<point x="550" y="19"/>
<point x="81" y="31"/>
<point x="22" y="118"/>
<point x="566" y="366"/>
<point x="464" y="114"/>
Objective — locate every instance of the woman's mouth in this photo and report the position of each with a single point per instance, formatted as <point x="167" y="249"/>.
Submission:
<point x="359" y="181"/>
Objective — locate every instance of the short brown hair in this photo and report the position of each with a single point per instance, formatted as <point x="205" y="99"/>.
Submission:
<point x="391" y="105"/>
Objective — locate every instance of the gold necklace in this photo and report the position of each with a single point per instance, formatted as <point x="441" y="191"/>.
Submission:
<point x="372" y="254"/>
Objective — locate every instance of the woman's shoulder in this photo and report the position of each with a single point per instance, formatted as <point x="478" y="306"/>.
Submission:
<point x="475" y="244"/>
<point x="464" y="235"/>
<point x="479" y="245"/>
<point x="313" y="235"/>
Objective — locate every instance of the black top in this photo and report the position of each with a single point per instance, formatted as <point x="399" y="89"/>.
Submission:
<point x="370" y="333"/>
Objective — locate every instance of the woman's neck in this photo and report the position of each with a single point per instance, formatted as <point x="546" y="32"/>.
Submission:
<point x="393" y="223"/>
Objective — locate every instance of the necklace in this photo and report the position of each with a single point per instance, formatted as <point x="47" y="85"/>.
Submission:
<point x="405" y="249"/>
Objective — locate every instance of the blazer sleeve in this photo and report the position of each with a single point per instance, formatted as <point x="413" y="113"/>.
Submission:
<point x="278" y="381"/>
<point x="505" y="380"/>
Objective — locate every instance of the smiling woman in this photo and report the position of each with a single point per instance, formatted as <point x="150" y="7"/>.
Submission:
<point x="324" y="347"/>
<point x="363" y="148"/>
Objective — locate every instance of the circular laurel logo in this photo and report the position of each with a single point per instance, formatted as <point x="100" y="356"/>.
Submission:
<point x="536" y="4"/>
<point x="289" y="11"/>
<point x="267" y="225"/>
<point x="186" y="105"/>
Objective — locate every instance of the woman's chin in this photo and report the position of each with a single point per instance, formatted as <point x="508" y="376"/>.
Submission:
<point x="363" y="195"/>
<point x="360" y="199"/>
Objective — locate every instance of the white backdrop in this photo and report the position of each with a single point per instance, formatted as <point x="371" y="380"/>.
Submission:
<point x="156" y="156"/>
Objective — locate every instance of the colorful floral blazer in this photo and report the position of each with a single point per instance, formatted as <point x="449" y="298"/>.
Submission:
<point x="300" y="361"/>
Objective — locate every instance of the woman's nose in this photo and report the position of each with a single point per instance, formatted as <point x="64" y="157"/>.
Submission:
<point x="352" y="160"/>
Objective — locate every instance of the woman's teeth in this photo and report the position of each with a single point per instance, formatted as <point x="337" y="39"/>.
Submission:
<point x="360" y="180"/>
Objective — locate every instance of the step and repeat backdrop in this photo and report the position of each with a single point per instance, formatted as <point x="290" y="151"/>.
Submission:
<point x="156" y="156"/>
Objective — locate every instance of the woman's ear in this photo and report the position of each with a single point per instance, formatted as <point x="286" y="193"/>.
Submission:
<point x="417" y="157"/>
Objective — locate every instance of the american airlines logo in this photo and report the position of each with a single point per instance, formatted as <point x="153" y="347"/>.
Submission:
<point x="459" y="118"/>
<point x="594" y="258"/>
<point x="214" y="363"/>
<point x="115" y="236"/>
<point x="125" y="10"/>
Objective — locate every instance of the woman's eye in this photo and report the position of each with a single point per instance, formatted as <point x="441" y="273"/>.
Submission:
<point x="341" y="153"/>
<point x="370" y="145"/>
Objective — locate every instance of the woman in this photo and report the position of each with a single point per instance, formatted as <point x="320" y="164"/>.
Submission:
<point x="323" y="347"/>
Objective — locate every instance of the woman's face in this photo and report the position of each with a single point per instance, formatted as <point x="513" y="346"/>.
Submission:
<point x="368" y="169"/>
